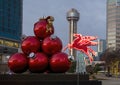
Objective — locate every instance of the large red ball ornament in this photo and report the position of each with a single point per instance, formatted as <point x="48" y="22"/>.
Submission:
<point x="44" y="27"/>
<point x="38" y="63"/>
<point x="18" y="63"/>
<point x="52" y="45"/>
<point x="59" y="63"/>
<point x="30" y="44"/>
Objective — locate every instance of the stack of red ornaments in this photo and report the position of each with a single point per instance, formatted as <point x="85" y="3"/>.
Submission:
<point x="42" y="52"/>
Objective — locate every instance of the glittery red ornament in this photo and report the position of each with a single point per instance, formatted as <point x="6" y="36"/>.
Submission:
<point x="30" y="44"/>
<point x="59" y="63"/>
<point x="44" y="27"/>
<point x="38" y="62"/>
<point x="52" y="45"/>
<point x="18" y="63"/>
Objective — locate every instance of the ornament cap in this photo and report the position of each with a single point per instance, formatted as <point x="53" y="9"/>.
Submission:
<point x="42" y="18"/>
<point x="71" y="58"/>
<point x="31" y="55"/>
<point x="53" y="36"/>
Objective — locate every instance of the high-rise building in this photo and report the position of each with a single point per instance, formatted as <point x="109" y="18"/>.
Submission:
<point x="101" y="45"/>
<point x="10" y="27"/>
<point x="101" y="48"/>
<point x="113" y="24"/>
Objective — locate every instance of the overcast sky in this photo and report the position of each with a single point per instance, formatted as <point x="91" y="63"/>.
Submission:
<point x="92" y="16"/>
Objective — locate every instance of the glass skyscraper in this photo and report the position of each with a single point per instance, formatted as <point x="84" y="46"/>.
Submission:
<point x="113" y="24"/>
<point x="10" y="28"/>
<point x="11" y="19"/>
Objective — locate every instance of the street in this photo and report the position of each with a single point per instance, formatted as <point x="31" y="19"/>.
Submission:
<point x="112" y="81"/>
<point x="108" y="80"/>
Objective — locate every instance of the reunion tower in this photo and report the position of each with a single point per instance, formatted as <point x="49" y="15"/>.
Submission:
<point x="72" y="17"/>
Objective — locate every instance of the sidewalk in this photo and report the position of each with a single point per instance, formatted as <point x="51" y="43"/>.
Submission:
<point x="101" y="76"/>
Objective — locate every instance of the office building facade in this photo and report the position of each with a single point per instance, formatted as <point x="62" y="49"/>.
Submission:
<point x="113" y="24"/>
<point x="10" y="27"/>
<point x="101" y="48"/>
<point x="101" y="45"/>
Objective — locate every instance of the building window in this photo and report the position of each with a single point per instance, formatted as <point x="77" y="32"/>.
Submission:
<point x="5" y="58"/>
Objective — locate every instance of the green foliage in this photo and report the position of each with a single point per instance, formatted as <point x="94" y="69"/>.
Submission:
<point x="97" y="68"/>
<point x="93" y="69"/>
<point x="110" y="55"/>
<point x="73" y="67"/>
<point x="89" y="69"/>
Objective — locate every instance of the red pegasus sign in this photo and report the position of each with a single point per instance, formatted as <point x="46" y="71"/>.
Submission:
<point x="81" y="43"/>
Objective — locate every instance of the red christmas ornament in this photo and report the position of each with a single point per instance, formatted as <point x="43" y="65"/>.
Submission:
<point x="18" y="63"/>
<point x="30" y="44"/>
<point x="52" y="45"/>
<point x="44" y="27"/>
<point x="59" y="63"/>
<point x="38" y="62"/>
